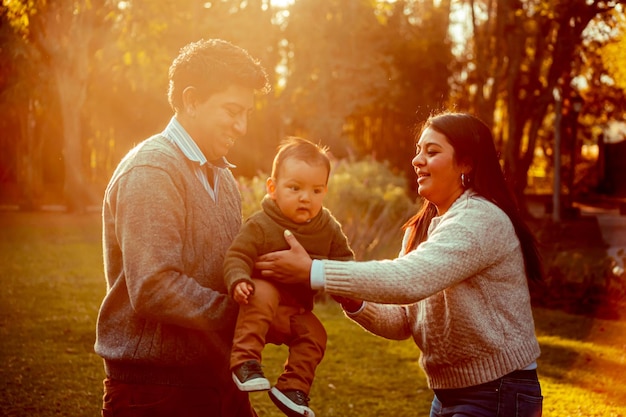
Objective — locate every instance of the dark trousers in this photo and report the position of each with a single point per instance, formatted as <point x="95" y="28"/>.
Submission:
<point x="272" y="317"/>
<point x="148" y="400"/>
<point x="517" y="394"/>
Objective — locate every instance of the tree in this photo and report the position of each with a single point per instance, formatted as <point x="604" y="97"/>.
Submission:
<point x="524" y="50"/>
<point x="602" y="66"/>
<point x="23" y="90"/>
<point x="416" y="57"/>
<point x="356" y="75"/>
<point x="66" y="32"/>
<point x="603" y="86"/>
<point x="335" y="67"/>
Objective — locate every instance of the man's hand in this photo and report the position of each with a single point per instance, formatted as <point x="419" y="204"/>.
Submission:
<point x="292" y="266"/>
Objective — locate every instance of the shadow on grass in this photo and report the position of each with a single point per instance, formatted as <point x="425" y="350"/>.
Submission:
<point x="582" y="352"/>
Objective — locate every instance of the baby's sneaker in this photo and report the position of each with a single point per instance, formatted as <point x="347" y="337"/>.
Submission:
<point x="249" y="377"/>
<point x="294" y="403"/>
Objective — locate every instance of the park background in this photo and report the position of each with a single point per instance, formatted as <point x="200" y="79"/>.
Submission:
<point x="81" y="82"/>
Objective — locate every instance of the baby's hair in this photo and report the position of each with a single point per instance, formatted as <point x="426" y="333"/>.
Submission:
<point x="303" y="150"/>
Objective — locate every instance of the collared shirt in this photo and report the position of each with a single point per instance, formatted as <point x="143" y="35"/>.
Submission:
<point x="176" y="133"/>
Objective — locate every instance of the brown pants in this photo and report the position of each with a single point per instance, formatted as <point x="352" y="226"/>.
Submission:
<point x="272" y="317"/>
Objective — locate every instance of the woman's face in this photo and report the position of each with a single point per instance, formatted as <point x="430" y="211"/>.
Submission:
<point x="438" y="174"/>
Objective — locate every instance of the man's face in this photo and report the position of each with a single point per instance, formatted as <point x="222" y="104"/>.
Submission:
<point x="219" y="121"/>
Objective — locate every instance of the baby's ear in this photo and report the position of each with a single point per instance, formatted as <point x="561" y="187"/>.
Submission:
<point x="270" y="187"/>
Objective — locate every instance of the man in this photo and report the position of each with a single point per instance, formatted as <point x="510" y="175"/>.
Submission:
<point x="170" y="212"/>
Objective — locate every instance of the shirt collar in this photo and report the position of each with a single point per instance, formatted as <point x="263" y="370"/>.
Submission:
<point x="176" y="133"/>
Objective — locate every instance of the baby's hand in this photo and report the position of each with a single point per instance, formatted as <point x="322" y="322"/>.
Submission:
<point x="242" y="291"/>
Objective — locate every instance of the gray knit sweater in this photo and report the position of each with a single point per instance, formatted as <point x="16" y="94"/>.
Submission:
<point x="462" y="295"/>
<point x="166" y="317"/>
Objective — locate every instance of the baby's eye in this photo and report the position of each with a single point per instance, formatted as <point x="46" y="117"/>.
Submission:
<point x="318" y="191"/>
<point x="294" y="187"/>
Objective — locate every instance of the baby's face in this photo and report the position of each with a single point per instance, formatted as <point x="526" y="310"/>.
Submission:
<point x="299" y="189"/>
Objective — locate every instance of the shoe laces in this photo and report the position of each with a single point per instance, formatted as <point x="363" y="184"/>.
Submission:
<point x="251" y="368"/>
<point x="301" y="398"/>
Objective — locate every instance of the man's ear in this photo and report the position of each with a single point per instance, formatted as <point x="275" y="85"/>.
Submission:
<point x="190" y="100"/>
<point x="270" y="187"/>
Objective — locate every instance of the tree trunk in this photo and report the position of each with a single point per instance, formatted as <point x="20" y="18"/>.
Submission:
<point x="29" y="174"/>
<point x="71" y="99"/>
<point x="64" y="30"/>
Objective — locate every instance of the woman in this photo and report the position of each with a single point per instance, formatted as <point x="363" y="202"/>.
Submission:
<point x="460" y="284"/>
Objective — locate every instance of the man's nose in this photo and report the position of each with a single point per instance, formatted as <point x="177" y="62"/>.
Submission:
<point x="241" y="124"/>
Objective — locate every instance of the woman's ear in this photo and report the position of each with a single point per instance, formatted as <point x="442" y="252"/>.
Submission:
<point x="270" y="187"/>
<point x="466" y="167"/>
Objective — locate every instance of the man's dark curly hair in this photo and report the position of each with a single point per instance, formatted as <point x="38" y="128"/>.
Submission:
<point x="211" y="66"/>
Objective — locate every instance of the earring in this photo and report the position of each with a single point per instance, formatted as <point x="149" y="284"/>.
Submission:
<point x="465" y="181"/>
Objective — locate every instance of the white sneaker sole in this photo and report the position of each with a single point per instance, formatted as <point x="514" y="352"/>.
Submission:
<point x="289" y="407"/>
<point x="257" y="384"/>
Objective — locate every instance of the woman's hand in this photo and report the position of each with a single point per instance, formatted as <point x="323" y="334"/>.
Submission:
<point x="292" y="266"/>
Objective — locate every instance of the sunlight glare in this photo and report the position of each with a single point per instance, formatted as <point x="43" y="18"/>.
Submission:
<point x="281" y="3"/>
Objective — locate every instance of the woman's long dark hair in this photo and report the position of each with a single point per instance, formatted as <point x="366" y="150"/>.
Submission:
<point x="473" y="144"/>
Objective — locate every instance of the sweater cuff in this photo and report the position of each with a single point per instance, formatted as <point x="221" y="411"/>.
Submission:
<point x="337" y="278"/>
<point x="366" y="315"/>
<point x="353" y="314"/>
<point x="318" y="278"/>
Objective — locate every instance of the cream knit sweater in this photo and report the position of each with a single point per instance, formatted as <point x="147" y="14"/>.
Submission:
<point x="462" y="295"/>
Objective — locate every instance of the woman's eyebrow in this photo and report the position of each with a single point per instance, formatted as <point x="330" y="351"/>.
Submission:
<point x="427" y="144"/>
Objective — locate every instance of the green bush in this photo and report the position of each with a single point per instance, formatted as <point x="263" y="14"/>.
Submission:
<point x="365" y="196"/>
<point x="580" y="276"/>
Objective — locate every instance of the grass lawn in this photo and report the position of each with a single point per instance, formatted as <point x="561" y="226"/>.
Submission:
<point x="52" y="285"/>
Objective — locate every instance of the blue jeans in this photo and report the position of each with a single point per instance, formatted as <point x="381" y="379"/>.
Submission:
<point x="517" y="394"/>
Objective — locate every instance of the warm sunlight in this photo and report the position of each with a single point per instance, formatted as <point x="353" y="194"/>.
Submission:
<point x="281" y="3"/>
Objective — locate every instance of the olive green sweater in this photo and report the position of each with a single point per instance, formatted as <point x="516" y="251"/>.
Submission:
<point x="263" y="232"/>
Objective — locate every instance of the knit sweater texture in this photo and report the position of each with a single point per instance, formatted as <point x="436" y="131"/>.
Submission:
<point x="166" y="316"/>
<point x="462" y="295"/>
<point x="263" y="232"/>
